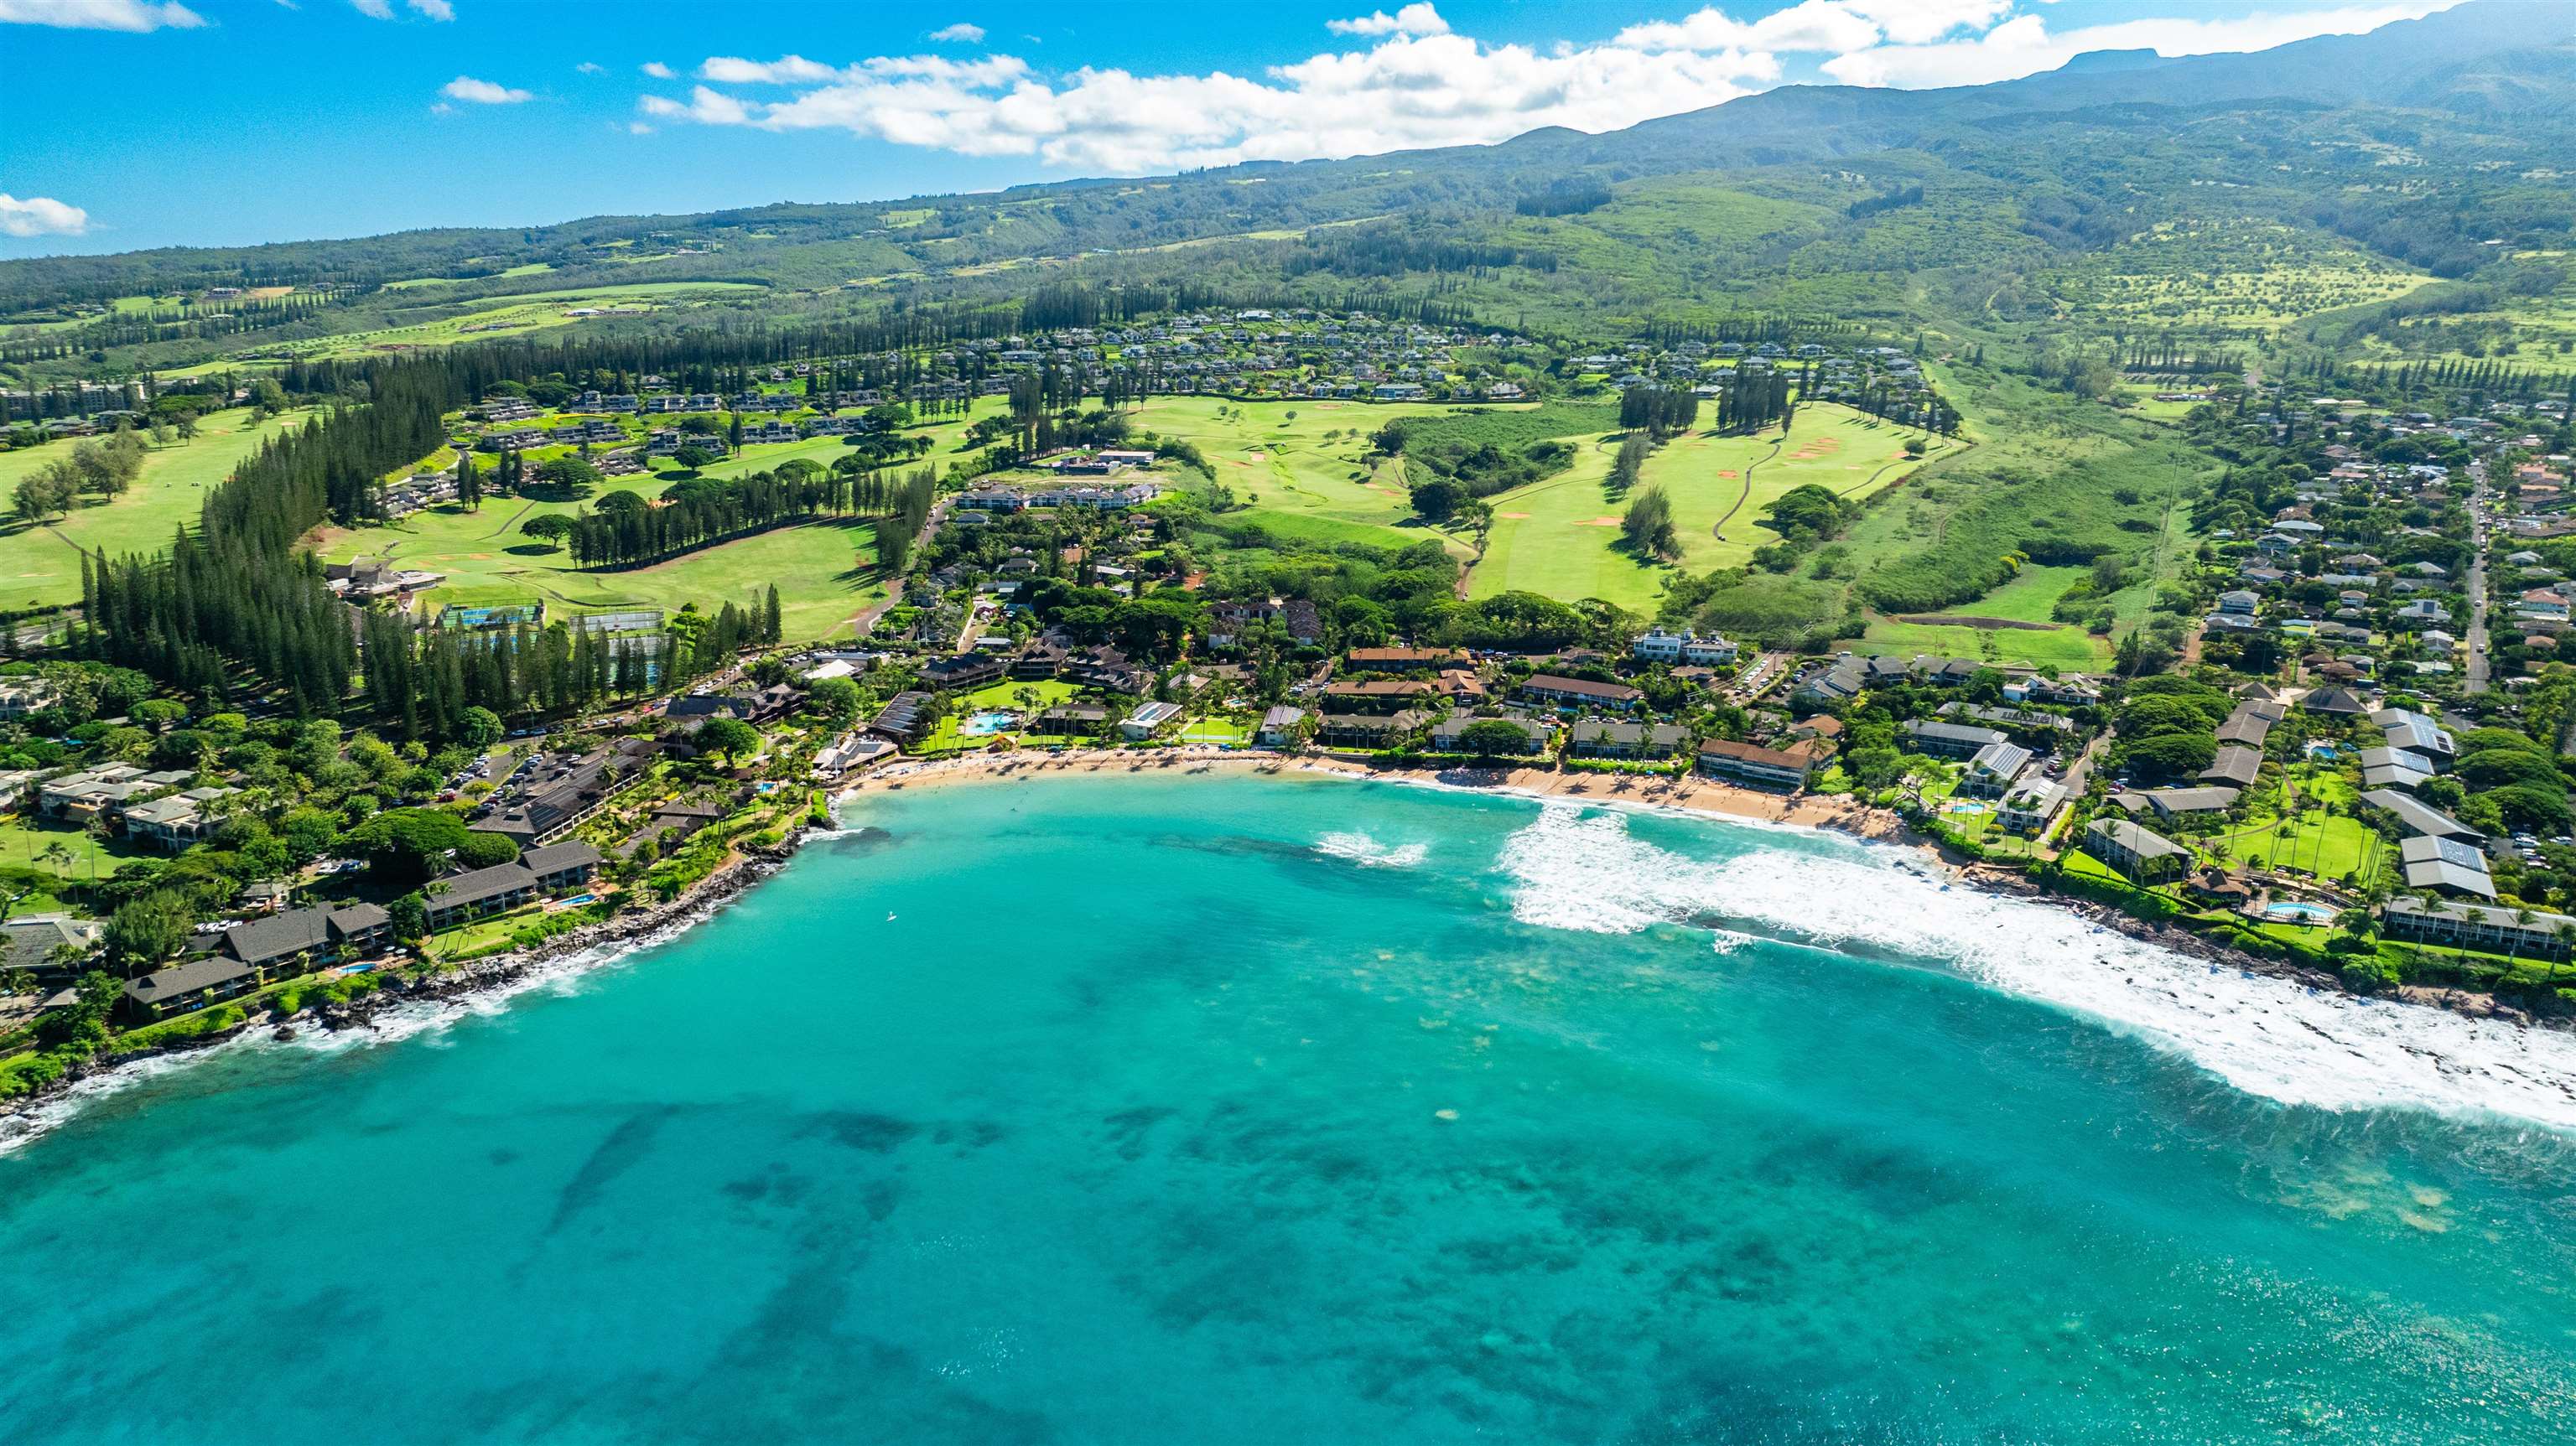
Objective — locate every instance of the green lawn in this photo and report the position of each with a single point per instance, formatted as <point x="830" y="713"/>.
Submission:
<point x="1221" y="732"/>
<point x="1558" y="537"/>
<point x="2331" y="846"/>
<point x="2027" y="598"/>
<point x="39" y="566"/>
<point x="1300" y="466"/>
<point x="825" y="570"/>
<point x="23" y="839"/>
<point x="1009" y="696"/>
<point x="509" y="316"/>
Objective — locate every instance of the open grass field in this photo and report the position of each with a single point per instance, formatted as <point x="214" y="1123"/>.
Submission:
<point x="1302" y="460"/>
<point x="39" y="566"/>
<point x="1557" y="537"/>
<point x="507" y="316"/>
<point x="2025" y="599"/>
<point x="825" y="570"/>
<point x="2227" y="272"/>
<point x="2328" y="845"/>
<point x="24" y="838"/>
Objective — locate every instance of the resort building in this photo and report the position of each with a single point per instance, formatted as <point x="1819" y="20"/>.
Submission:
<point x="1367" y="730"/>
<point x="1950" y="740"/>
<point x="2032" y="806"/>
<point x="1994" y="770"/>
<point x="2144" y="857"/>
<point x="1578" y="692"/>
<point x="313" y="936"/>
<point x="1773" y="768"/>
<point x="1626" y="740"/>
<point x="462" y="898"/>
<point x="183" y="987"/>
<point x="2478" y="926"/>
<point x="2446" y="865"/>
<point x="1534" y="735"/>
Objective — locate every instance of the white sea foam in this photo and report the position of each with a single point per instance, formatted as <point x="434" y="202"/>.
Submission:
<point x="1359" y="848"/>
<point x="1579" y="869"/>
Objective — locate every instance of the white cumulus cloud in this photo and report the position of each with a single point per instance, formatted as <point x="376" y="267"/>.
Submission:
<point x="374" y="9"/>
<point x="962" y="32"/>
<point x="2025" y="45"/>
<point x="40" y="216"/>
<point x="134" y="16"/>
<point x="434" y="9"/>
<point x="483" y="92"/>
<point x="1417" y="83"/>
<point x="656" y="69"/>
<point x="1418" y="19"/>
<point x="591" y="67"/>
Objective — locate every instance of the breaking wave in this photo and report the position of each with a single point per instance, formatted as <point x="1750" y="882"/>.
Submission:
<point x="1584" y="870"/>
<point x="1361" y="849"/>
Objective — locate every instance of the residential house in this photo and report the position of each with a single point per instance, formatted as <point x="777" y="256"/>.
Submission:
<point x="1281" y="727"/>
<point x="1147" y="720"/>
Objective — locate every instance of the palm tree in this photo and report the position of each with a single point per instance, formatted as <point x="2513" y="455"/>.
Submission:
<point x="2522" y="918"/>
<point x="58" y="855"/>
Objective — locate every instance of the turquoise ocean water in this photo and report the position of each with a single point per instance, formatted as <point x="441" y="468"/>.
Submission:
<point x="1239" y="1110"/>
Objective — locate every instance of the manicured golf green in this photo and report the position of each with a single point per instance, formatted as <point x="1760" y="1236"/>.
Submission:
<point x="39" y="565"/>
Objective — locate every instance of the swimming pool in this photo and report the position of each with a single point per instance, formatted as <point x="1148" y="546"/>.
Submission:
<point x="985" y="725"/>
<point x="2295" y="911"/>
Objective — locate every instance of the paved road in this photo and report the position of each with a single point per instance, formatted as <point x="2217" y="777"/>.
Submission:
<point x="865" y="620"/>
<point x="2479" y="532"/>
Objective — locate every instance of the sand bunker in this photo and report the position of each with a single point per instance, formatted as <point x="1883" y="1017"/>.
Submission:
<point x="1818" y="447"/>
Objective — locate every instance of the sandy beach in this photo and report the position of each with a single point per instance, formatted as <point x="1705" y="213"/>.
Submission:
<point x="1688" y="793"/>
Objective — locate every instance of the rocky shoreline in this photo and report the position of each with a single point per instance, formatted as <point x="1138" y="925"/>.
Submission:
<point x="2176" y="939"/>
<point x="740" y="873"/>
<point x="736" y="876"/>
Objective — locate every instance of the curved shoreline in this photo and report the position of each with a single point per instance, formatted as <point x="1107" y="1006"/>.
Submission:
<point x="1686" y="795"/>
<point x="1691" y="795"/>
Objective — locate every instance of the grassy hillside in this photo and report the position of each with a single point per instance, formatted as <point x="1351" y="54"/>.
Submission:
<point x="39" y="566"/>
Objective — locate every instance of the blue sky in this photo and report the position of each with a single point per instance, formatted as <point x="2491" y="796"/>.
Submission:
<point x="134" y="123"/>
